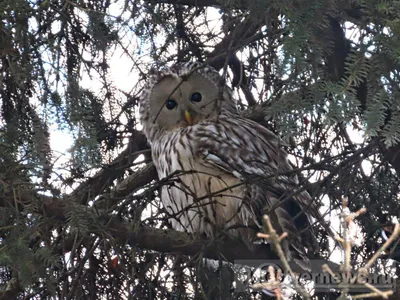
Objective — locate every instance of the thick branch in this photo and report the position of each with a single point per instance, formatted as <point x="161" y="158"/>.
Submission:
<point x="244" y="33"/>
<point x="135" y="181"/>
<point x="128" y="186"/>
<point x="96" y="184"/>
<point x="161" y="240"/>
<point x="241" y="79"/>
<point x="170" y="241"/>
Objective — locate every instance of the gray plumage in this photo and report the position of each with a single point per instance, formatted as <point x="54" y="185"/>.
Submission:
<point x="230" y="170"/>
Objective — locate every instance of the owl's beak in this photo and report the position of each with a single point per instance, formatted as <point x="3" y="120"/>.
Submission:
<point x="188" y="116"/>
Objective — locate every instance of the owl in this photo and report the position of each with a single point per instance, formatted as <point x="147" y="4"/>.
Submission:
<point x="224" y="171"/>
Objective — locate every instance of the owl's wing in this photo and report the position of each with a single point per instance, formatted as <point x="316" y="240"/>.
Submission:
<point x="254" y="154"/>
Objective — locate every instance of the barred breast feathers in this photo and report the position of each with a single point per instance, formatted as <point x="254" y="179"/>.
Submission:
<point x="212" y="197"/>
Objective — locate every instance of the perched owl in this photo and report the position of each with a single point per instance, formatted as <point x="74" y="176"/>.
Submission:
<point x="229" y="171"/>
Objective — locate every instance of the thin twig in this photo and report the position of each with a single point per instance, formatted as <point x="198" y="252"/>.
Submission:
<point x="276" y="240"/>
<point x="347" y="219"/>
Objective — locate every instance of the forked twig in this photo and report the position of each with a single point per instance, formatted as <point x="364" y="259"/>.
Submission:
<point x="347" y="219"/>
<point x="276" y="239"/>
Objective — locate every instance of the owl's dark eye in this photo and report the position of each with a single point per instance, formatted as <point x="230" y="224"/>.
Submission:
<point x="171" y="104"/>
<point x="196" y="97"/>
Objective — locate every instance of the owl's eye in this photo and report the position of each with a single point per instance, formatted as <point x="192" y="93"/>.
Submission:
<point x="171" y="104"/>
<point x="196" y="97"/>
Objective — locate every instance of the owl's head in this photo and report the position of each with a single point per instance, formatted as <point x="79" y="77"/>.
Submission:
<point x="181" y="96"/>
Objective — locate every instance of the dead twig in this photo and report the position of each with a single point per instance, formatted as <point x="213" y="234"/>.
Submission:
<point x="347" y="218"/>
<point x="275" y="239"/>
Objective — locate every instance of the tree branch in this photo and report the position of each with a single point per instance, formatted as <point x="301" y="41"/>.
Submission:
<point x="96" y="184"/>
<point x="170" y="241"/>
<point x="128" y="186"/>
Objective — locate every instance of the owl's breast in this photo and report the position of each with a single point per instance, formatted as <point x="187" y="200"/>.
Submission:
<point x="202" y="197"/>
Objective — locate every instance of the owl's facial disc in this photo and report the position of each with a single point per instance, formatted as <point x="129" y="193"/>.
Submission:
<point x="175" y="103"/>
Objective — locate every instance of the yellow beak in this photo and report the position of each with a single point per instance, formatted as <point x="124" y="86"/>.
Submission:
<point x="188" y="117"/>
